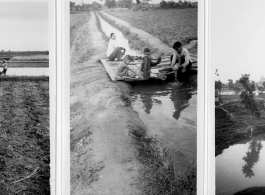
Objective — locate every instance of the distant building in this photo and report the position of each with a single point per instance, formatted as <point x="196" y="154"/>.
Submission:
<point x="261" y="81"/>
<point x="226" y="91"/>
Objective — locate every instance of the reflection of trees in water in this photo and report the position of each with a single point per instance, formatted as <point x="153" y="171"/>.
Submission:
<point x="180" y="100"/>
<point x="251" y="158"/>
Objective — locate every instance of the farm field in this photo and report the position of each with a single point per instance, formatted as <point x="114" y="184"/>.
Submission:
<point x="167" y="25"/>
<point x="24" y="135"/>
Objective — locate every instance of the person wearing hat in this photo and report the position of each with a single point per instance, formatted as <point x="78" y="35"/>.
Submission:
<point x="147" y="63"/>
<point x="4" y="68"/>
<point x="180" y="62"/>
<point x="123" y="68"/>
<point x="114" y="51"/>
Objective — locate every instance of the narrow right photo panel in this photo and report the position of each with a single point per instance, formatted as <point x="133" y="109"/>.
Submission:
<point x="237" y="39"/>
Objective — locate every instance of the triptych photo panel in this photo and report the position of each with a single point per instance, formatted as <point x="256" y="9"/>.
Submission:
<point x="132" y="97"/>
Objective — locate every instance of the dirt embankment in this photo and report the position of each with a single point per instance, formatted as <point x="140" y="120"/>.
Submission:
<point x="102" y="153"/>
<point x="234" y="123"/>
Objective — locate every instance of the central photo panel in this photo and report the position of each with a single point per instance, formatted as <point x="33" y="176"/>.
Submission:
<point x="133" y="97"/>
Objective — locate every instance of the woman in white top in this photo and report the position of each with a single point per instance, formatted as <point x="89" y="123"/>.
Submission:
<point x="114" y="51"/>
<point x="181" y="62"/>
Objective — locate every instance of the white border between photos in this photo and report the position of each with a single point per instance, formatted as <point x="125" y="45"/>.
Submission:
<point x="201" y="133"/>
<point x="65" y="80"/>
<point x="52" y="92"/>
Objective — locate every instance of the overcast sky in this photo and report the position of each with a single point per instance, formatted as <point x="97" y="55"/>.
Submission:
<point x="24" y="25"/>
<point x="237" y="38"/>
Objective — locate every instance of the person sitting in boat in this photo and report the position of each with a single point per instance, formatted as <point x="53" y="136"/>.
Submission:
<point x="123" y="68"/>
<point x="147" y="63"/>
<point x="114" y="51"/>
<point x="180" y="62"/>
<point x="4" y="68"/>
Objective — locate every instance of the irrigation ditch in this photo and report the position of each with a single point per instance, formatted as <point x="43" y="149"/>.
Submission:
<point x="112" y="153"/>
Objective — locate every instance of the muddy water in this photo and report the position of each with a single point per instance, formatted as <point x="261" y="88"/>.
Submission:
<point x="241" y="166"/>
<point x="27" y="72"/>
<point x="169" y="113"/>
<point x="121" y="40"/>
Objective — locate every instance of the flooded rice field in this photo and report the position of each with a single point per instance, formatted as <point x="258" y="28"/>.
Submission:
<point x="27" y="72"/>
<point x="169" y="113"/>
<point x="241" y="166"/>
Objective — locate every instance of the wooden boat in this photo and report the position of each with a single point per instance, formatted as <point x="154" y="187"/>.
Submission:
<point x="161" y="72"/>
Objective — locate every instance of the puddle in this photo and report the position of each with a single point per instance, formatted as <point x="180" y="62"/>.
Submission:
<point x="170" y="114"/>
<point x="241" y="166"/>
<point x="27" y="72"/>
<point x="122" y="41"/>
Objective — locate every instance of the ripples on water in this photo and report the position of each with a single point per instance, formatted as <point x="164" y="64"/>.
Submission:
<point x="170" y="113"/>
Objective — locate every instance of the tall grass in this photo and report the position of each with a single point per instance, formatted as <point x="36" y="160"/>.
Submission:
<point x="164" y="170"/>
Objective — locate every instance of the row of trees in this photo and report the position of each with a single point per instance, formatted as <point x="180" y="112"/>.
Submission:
<point x="119" y="3"/>
<point x="85" y="7"/>
<point x="178" y="5"/>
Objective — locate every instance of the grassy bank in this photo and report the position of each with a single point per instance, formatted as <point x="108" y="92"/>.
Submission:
<point x="167" y="25"/>
<point x="164" y="170"/>
<point x="233" y="123"/>
<point x="24" y="135"/>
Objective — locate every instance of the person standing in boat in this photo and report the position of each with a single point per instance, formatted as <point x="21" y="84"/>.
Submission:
<point x="146" y="65"/>
<point x="180" y="62"/>
<point x="114" y="51"/>
<point x="4" y="68"/>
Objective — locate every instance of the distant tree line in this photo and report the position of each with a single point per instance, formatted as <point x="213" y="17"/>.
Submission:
<point x="119" y="3"/>
<point x="85" y="7"/>
<point x="178" y="5"/>
<point x="145" y="4"/>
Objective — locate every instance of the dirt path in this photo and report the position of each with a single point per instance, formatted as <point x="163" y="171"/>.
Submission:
<point x="102" y="153"/>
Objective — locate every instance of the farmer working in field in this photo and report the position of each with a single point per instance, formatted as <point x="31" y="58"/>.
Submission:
<point x="147" y="64"/>
<point x="114" y="51"/>
<point x="4" y="68"/>
<point x="180" y="62"/>
<point x="123" y="68"/>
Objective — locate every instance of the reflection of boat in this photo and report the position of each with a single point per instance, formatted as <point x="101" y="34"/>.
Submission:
<point x="162" y="72"/>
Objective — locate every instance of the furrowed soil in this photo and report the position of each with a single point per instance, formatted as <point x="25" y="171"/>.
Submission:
<point x="169" y="25"/>
<point x="234" y="123"/>
<point x="24" y="136"/>
<point x="102" y="151"/>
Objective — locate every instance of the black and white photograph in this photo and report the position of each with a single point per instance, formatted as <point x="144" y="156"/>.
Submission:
<point x="133" y="96"/>
<point x="26" y="94"/>
<point x="237" y="38"/>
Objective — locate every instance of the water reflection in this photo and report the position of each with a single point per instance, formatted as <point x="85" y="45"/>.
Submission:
<point x="180" y="100"/>
<point x="241" y="166"/>
<point x="251" y="158"/>
<point x="149" y="95"/>
<point x="169" y="113"/>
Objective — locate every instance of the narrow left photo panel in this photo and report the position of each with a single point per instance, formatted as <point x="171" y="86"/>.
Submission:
<point x="27" y="97"/>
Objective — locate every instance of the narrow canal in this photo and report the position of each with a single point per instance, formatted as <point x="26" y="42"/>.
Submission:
<point x="170" y="113"/>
